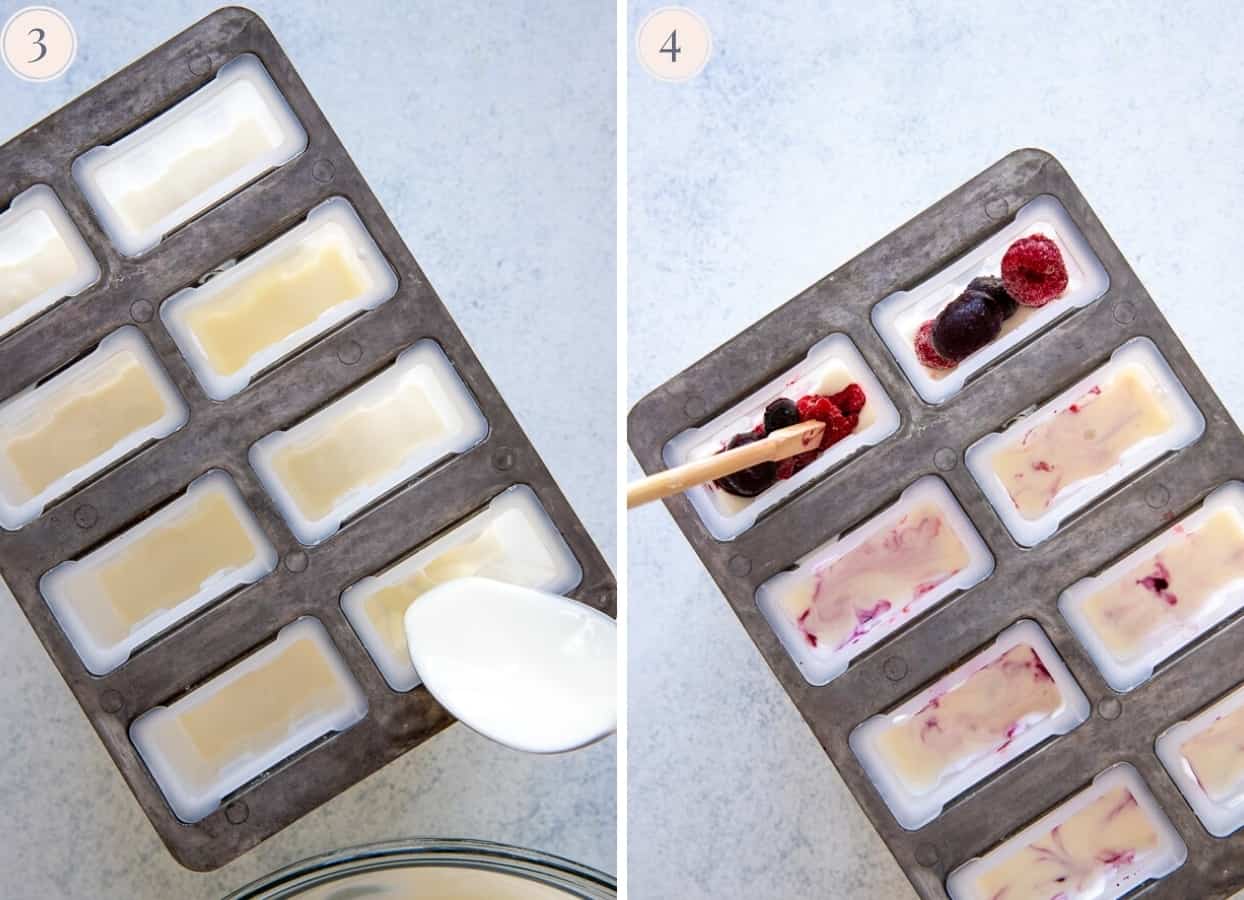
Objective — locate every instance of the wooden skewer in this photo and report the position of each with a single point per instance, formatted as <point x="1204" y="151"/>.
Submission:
<point x="777" y="446"/>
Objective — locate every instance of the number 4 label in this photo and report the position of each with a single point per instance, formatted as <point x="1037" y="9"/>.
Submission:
<point x="673" y="43"/>
<point x="671" y="46"/>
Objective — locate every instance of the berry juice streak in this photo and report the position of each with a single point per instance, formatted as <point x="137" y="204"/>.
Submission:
<point x="978" y="716"/>
<point x="1075" y="858"/>
<point x="1168" y="590"/>
<point x="1082" y="441"/>
<point x="877" y="581"/>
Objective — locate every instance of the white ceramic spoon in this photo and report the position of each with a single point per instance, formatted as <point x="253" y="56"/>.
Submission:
<point x="528" y="669"/>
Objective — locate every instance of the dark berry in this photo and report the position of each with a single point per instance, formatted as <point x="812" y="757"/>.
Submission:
<point x="926" y="352"/>
<point x="1033" y="270"/>
<point x="781" y="413"/>
<point x="751" y="481"/>
<point x="800" y="461"/>
<point x="850" y="399"/>
<point x="996" y="291"/>
<point x="968" y="322"/>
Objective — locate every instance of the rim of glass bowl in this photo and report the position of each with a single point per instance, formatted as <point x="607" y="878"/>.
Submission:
<point x="543" y="868"/>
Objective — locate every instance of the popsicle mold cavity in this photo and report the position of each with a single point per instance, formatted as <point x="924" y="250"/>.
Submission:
<point x="512" y="540"/>
<point x="43" y="258"/>
<point x="279" y="299"/>
<point x="1099" y="845"/>
<point x="964" y="727"/>
<point x="146" y="580"/>
<point x="352" y="452"/>
<point x="1164" y="594"/>
<point x="854" y="591"/>
<point x="899" y="316"/>
<point x="1205" y="759"/>
<point x="261" y="710"/>
<point x="1106" y="427"/>
<point x="190" y="157"/>
<point x="831" y="365"/>
<point x="57" y="435"/>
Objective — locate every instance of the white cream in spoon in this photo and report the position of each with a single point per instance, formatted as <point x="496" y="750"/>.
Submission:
<point x="531" y="670"/>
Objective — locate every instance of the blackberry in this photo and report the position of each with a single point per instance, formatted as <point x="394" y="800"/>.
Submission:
<point x="781" y="413"/>
<point x="993" y="288"/>
<point x="751" y="481"/>
<point x="968" y="322"/>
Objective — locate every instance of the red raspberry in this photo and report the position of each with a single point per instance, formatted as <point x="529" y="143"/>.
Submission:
<point x="849" y="400"/>
<point x="927" y="353"/>
<point x="837" y="430"/>
<point x="816" y="406"/>
<point x="822" y="409"/>
<point x="1033" y="270"/>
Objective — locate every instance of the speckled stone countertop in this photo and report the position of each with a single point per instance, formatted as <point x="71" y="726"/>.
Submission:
<point x="510" y="212"/>
<point x="815" y="130"/>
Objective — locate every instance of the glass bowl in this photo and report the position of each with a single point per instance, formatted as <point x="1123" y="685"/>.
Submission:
<point x="436" y="869"/>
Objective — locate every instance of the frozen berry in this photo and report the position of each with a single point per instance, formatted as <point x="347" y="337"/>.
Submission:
<point x="838" y="429"/>
<point x="1033" y="270"/>
<point x="781" y="413"/>
<point x="968" y="322"/>
<point x="925" y="351"/>
<point x="849" y="400"/>
<point x="818" y="407"/>
<point x="750" y="481"/>
<point x="823" y="409"/>
<point x="996" y="291"/>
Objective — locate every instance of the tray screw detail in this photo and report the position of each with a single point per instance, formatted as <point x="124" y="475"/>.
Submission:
<point x="297" y="561"/>
<point x="323" y="171"/>
<point x="111" y="702"/>
<point x="1158" y="496"/>
<point x="1124" y="312"/>
<point x="1110" y="708"/>
<point x="895" y="669"/>
<point x="503" y="459"/>
<point x="945" y="459"/>
<point x="237" y="812"/>
<point x="141" y="311"/>
<point x="350" y="353"/>
<point x="926" y="855"/>
<point x="85" y="516"/>
<point x="740" y="565"/>
<point x="200" y="64"/>
<point x="997" y="208"/>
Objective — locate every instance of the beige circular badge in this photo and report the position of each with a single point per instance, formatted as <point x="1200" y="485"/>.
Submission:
<point x="674" y="43"/>
<point x="38" y="43"/>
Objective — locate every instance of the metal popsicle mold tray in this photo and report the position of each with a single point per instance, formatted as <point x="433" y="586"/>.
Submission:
<point x="301" y="594"/>
<point x="1026" y="581"/>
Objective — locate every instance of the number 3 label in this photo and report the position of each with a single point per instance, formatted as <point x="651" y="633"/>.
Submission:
<point x="673" y="43"/>
<point x="38" y="34"/>
<point x="38" y="43"/>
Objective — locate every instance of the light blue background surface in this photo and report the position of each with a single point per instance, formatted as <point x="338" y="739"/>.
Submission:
<point x="488" y="132"/>
<point x="815" y="130"/>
